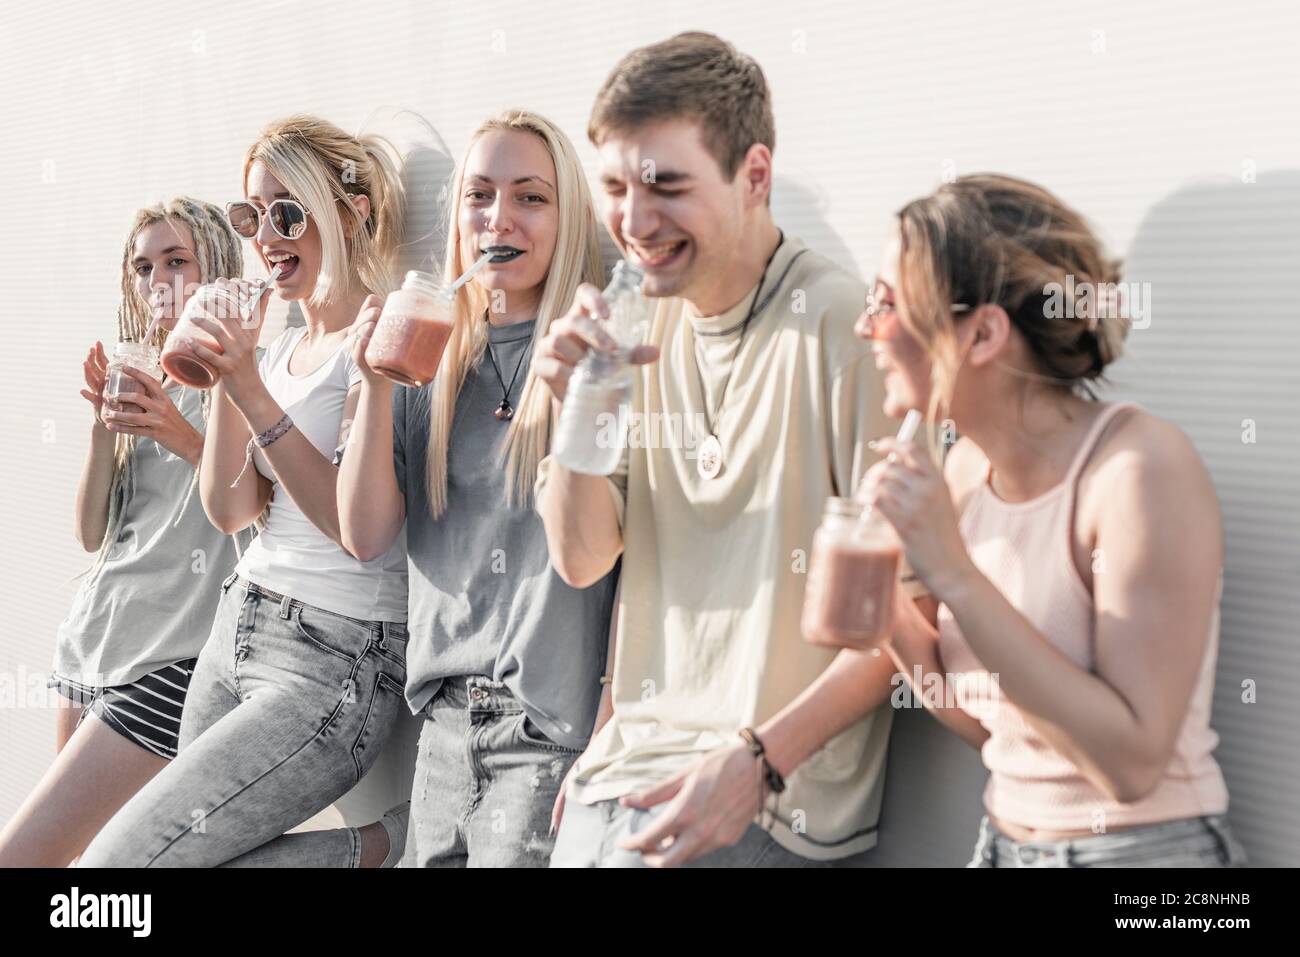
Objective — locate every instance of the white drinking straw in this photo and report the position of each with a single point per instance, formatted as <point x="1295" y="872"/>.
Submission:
<point x="257" y="296"/>
<point x="153" y="324"/>
<point x="469" y="273"/>
<point x="911" y="422"/>
<point x="252" y="306"/>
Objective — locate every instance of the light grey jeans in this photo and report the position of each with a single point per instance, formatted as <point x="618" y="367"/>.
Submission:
<point x="590" y="833"/>
<point x="1190" y="842"/>
<point x="288" y="707"/>
<point x="485" y="780"/>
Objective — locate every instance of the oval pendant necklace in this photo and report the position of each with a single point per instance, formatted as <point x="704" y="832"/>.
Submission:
<point x="709" y="460"/>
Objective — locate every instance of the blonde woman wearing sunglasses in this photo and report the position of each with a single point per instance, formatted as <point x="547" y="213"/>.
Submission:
<point x="301" y="680"/>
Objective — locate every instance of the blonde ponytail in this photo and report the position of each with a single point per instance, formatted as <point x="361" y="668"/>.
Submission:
<point x="324" y="167"/>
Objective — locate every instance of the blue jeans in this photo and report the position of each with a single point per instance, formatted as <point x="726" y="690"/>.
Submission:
<point x="288" y="707"/>
<point x="590" y="833"/>
<point x="1190" y="842"/>
<point x="486" y="779"/>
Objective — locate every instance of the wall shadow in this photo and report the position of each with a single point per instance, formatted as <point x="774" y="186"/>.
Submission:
<point x="1219" y="355"/>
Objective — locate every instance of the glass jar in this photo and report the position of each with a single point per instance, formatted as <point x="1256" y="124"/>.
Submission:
<point x="118" y="384"/>
<point x="852" y="574"/>
<point x="182" y="365"/>
<point x="412" y="332"/>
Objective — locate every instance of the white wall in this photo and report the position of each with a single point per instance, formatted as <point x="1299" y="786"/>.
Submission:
<point x="1142" y="115"/>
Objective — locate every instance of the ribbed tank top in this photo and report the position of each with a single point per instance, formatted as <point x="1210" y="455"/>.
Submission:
<point x="1025" y="549"/>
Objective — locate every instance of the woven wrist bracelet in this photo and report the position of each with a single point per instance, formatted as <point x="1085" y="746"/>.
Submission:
<point x="261" y="441"/>
<point x="274" y="432"/>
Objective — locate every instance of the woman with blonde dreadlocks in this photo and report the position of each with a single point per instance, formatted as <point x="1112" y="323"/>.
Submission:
<point x="144" y="609"/>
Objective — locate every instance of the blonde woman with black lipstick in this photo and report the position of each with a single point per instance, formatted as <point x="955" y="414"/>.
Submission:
<point x="505" y="658"/>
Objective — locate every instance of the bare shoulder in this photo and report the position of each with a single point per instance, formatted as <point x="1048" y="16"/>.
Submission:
<point x="1146" y="462"/>
<point x="964" y="469"/>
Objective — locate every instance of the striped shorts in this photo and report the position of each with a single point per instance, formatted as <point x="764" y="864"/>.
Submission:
<point x="147" y="711"/>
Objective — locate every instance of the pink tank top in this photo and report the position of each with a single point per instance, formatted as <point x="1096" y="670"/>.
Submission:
<point x="1025" y="549"/>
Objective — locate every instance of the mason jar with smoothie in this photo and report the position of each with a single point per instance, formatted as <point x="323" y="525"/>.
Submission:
<point x="849" y="600"/>
<point x="213" y="302"/>
<point x="412" y="332"/>
<point x="853" y="571"/>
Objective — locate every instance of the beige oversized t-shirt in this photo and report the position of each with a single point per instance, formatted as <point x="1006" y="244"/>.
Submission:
<point x="714" y="569"/>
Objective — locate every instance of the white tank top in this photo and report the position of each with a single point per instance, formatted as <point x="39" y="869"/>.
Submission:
<point x="291" y="555"/>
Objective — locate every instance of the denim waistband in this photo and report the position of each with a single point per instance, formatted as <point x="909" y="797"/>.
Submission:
<point x="1064" y="852"/>
<point x="477" y="693"/>
<point x="380" y="629"/>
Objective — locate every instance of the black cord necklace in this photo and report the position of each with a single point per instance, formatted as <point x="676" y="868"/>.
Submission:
<point x="505" y="411"/>
<point x="709" y="455"/>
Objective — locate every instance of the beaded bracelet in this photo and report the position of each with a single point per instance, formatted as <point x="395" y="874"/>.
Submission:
<point x="770" y="780"/>
<point x="771" y="776"/>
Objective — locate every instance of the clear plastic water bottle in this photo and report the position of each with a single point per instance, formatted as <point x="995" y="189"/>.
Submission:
<point x="592" y="431"/>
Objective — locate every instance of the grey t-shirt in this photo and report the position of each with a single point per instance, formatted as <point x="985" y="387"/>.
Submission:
<point x="153" y="601"/>
<point x="483" y="598"/>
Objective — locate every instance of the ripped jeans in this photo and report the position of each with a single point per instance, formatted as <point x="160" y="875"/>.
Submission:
<point x="486" y="779"/>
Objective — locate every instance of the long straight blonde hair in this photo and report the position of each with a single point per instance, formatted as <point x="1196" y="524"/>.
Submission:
<point x="576" y="260"/>
<point x="219" y="256"/>
<point x="323" y="166"/>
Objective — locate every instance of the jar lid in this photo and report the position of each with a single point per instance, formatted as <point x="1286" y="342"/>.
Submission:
<point x="867" y="522"/>
<point x="424" y="282"/>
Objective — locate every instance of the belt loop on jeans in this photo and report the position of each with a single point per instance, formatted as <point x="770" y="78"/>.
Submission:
<point x="230" y="580"/>
<point x="985" y="849"/>
<point x="1213" y="825"/>
<point x="285" y="602"/>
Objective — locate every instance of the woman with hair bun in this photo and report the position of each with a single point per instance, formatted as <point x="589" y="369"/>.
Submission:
<point x="1073" y="548"/>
